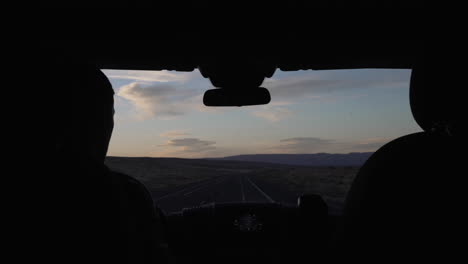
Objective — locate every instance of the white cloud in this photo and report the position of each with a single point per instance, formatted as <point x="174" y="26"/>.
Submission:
<point x="198" y="148"/>
<point x="158" y="100"/>
<point x="304" y="145"/>
<point x="191" y="144"/>
<point x="164" y="99"/>
<point x="174" y="134"/>
<point x="315" y="84"/>
<point x="297" y="87"/>
<point x="273" y="114"/>
<point x="148" y="76"/>
<point x="317" y="145"/>
<point x="185" y="148"/>
<point x="370" y="144"/>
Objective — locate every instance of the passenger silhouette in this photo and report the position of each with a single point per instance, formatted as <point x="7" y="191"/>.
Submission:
<point x="111" y="213"/>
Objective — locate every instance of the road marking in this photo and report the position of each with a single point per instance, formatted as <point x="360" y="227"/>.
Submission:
<point x="203" y="186"/>
<point x="260" y="190"/>
<point x="194" y="190"/>
<point x="242" y="188"/>
<point x="183" y="190"/>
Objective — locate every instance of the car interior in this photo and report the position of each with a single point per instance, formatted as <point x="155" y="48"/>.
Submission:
<point x="387" y="215"/>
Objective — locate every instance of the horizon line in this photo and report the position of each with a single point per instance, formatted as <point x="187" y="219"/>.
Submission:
<point x="114" y="156"/>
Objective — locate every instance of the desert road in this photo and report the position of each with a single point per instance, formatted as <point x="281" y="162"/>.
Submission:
<point x="229" y="188"/>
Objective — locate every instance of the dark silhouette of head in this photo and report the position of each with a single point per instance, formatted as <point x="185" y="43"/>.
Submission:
<point x="87" y="108"/>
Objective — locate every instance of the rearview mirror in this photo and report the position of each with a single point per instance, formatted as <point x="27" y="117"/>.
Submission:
<point x="236" y="97"/>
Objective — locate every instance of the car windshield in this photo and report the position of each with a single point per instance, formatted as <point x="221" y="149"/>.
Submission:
<point x="312" y="138"/>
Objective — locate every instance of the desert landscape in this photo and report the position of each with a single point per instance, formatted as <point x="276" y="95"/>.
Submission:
<point x="177" y="183"/>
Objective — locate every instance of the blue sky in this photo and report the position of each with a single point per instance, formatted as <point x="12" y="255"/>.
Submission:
<point x="161" y="114"/>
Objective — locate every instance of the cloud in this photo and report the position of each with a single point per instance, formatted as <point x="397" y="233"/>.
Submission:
<point x="165" y="100"/>
<point x="158" y="100"/>
<point x="148" y="76"/>
<point x="315" y="84"/>
<point x="191" y="144"/>
<point x="273" y="114"/>
<point x="296" y="87"/>
<point x="317" y="145"/>
<point x="198" y="148"/>
<point x="367" y="145"/>
<point x="304" y="145"/>
<point x="186" y="148"/>
<point x="174" y="133"/>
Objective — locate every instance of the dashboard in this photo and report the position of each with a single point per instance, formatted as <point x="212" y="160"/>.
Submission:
<point x="248" y="229"/>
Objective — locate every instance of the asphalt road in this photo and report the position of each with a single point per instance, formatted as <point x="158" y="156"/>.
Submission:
<point x="229" y="188"/>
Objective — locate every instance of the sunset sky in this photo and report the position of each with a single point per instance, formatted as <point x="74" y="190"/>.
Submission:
<point x="161" y="114"/>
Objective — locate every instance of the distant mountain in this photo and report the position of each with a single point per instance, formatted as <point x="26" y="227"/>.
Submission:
<point x="319" y="159"/>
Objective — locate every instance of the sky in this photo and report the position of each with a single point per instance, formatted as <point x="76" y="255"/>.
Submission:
<point x="161" y="114"/>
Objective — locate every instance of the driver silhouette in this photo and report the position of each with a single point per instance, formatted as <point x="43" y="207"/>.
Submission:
<point x="108" y="216"/>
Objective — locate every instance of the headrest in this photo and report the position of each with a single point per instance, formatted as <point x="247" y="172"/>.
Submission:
<point x="436" y="109"/>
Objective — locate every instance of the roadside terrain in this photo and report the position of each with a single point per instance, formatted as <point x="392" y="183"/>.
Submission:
<point x="177" y="183"/>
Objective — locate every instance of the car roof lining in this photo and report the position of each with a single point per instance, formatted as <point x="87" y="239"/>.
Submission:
<point x="285" y="55"/>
